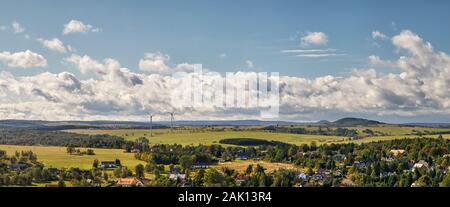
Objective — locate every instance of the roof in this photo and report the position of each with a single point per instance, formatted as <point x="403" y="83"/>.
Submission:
<point x="176" y="176"/>
<point x="127" y="181"/>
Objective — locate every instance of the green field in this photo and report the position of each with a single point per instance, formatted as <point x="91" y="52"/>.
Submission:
<point x="197" y="135"/>
<point x="59" y="158"/>
<point x="188" y="137"/>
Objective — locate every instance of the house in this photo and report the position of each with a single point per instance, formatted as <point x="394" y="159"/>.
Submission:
<point x="177" y="176"/>
<point x="108" y="164"/>
<point x="340" y="157"/>
<point x="341" y="185"/>
<point x="359" y="164"/>
<point x="241" y="156"/>
<point x="302" y="176"/>
<point x="240" y="179"/>
<point x="200" y="166"/>
<point x="129" y="182"/>
<point x="337" y="174"/>
<point x="397" y="152"/>
<point x="421" y="164"/>
<point x="318" y="177"/>
<point x="19" y="166"/>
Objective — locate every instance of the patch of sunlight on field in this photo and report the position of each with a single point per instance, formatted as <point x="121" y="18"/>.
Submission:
<point x="59" y="158"/>
<point x="268" y="166"/>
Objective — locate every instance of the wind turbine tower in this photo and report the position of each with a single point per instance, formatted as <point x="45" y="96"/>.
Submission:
<point x="151" y="124"/>
<point x="171" y="121"/>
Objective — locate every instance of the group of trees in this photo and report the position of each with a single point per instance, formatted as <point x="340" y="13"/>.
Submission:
<point x="59" y="138"/>
<point x="72" y="150"/>
<point x="22" y="169"/>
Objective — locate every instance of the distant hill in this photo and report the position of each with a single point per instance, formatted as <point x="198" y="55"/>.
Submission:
<point x="351" y="122"/>
<point x="65" y="125"/>
<point x="232" y="123"/>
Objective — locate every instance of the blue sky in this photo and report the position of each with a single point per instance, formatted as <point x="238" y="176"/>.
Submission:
<point x="200" y="31"/>
<point x="386" y="60"/>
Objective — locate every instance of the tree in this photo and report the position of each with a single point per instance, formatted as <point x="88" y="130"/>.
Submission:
<point x="423" y="181"/>
<point x="90" y="152"/>
<point x="139" y="170"/>
<point x="70" y="149"/>
<point x="249" y="170"/>
<point x="214" y="178"/>
<point x="446" y="181"/>
<point x="95" y="164"/>
<point x="61" y="183"/>
<point x="186" y="161"/>
<point x="118" y="162"/>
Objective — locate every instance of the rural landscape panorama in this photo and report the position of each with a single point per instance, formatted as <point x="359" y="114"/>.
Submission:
<point x="224" y="94"/>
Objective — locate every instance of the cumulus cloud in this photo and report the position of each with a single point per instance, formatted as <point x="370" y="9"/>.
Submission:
<point x="249" y="64"/>
<point x="314" y="38"/>
<point x="159" y="63"/>
<point x="378" y="35"/>
<point x="3" y="27"/>
<point x="17" y="28"/>
<point x="377" y="61"/>
<point x="25" y="59"/>
<point x="76" y="26"/>
<point x="53" y="44"/>
<point x="420" y="87"/>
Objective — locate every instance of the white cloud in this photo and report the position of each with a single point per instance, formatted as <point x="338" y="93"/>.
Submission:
<point x="318" y="55"/>
<point x="76" y="26"/>
<point x="378" y="35"/>
<point x="223" y="56"/>
<point x="376" y="60"/>
<point x="314" y="38"/>
<point x="158" y="63"/>
<point x="53" y="44"/>
<point x="309" y="51"/>
<point x="3" y="27"/>
<point x="249" y="64"/>
<point x="17" y="27"/>
<point x="422" y="87"/>
<point x="25" y="59"/>
<point x="155" y="63"/>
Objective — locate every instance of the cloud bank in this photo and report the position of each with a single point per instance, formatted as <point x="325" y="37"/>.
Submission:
<point x="419" y="86"/>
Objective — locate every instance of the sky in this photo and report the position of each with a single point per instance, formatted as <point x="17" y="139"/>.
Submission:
<point x="112" y="60"/>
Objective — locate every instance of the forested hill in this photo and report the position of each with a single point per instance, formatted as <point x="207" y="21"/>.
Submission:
<point x="352" y="122"/>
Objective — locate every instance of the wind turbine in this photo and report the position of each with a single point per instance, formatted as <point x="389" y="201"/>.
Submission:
<point x="171" y="121"/>
<point x="151" y="124"/>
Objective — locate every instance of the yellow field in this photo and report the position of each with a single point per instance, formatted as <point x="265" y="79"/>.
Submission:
<point x="268" y="166"/>
<point x="59" y="158"/>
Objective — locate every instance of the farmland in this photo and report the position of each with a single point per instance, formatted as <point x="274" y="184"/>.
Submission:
<point x="208" y="136"/>
<point x="59" y="158"/>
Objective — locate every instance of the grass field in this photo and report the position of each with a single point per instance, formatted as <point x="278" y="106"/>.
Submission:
<point x="268" y="166"/>
<point x="58" y="157"/>
<point x="196" y="136"/>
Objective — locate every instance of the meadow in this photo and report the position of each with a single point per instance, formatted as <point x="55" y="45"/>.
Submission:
<point x="59" y="158"/>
